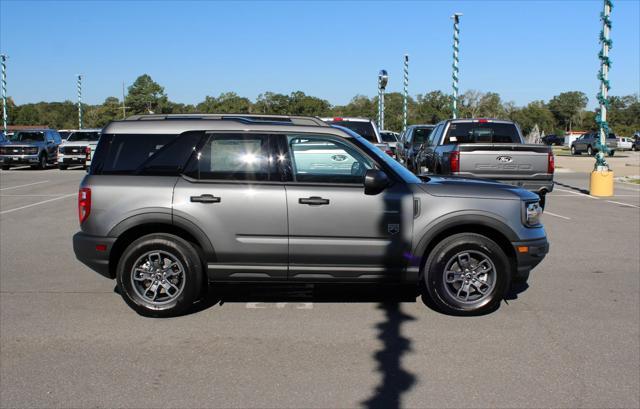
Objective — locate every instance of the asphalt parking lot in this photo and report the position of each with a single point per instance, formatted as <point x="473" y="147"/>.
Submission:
<point x="571" y="339"/>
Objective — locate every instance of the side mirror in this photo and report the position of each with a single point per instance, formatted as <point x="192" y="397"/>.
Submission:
<point x="375" y="181"/>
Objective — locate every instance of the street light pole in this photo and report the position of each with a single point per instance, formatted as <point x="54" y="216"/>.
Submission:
<point x="405" y="92"/>
<point x="3" y="59"/>
<point x="601" y="182"/>
<point x="79" y="101"/>
<point x="454" y="75"/>
<point x="383" y="79"/>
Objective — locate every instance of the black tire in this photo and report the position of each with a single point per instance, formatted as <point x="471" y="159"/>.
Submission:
<point x="63" y="167"/>
<point x="633" y="147"/>
<point x="589" y="150"/>
<point x="574" y="151"/>
<point x="543" y="199"/>
<point x="440" y="292"/>
<point x="6" y="167"/>
<point x="611" y="153"/>
<point x="181" y="251"/>
<point x="42" y="162"/>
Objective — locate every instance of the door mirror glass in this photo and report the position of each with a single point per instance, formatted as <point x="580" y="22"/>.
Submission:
<point x="375" y="181"/>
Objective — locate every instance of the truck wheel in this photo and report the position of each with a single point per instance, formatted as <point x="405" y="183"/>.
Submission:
<point x="42" y="162"/>
<point x="574" y="151"/>
<point x="160" y="275"/>
<point x="6" y="167"/>
<point x="543" y="199"/>
<point x="611" y="153"/>
<point x="467" y="274"/>
<point x="589" y="151"/>
<point x="63" y="167"/>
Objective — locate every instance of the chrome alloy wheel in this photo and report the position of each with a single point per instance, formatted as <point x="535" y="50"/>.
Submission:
<point x="158" y="277"/>
<point x="470" y="276"/>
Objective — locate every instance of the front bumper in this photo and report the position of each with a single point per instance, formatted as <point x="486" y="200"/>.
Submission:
<point x="536" y="251"/>
<point x="85" y="248"/>
<point x="19" y="159"/>
<point x="72" y="159"/>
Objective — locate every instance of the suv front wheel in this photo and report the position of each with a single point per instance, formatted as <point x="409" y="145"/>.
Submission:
<point x="160" y="275"/>
<point x="467" y="274"/>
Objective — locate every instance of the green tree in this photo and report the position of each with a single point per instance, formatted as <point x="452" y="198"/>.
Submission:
<point x="535" y="113"/>
<point x="146" y="96"/>
<point x="433" y="107"/>
<point x="567" y="108"/>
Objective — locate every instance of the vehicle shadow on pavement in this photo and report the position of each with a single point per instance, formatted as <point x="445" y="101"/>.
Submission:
<point x="577" y="189"/>
<point x="395" y="379"/>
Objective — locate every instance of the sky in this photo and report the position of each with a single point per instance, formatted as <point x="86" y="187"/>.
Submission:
<point x="524" y="50"/>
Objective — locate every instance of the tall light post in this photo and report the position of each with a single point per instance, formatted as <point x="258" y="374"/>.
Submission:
<point x="79" y="101"/>
<point x="454" y="75"/>
<point x="601" y="183"/>
<point x="383" y="79"/>
<point x="405" y="92"/>
<point x="3" y="62"/>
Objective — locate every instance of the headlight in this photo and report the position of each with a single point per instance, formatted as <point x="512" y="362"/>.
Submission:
<point x="532" y="213"/>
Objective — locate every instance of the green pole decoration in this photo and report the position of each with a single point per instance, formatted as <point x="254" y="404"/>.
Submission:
<point x="605" y="86"/>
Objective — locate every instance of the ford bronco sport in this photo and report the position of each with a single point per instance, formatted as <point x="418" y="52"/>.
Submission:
<point x="172" y="202"/>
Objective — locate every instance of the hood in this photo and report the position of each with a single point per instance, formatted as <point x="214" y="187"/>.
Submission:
<point x="19" y="143"/>
<point x="474" y="188"/>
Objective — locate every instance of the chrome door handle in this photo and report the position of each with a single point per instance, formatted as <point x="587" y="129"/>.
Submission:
<point x="205" y="199"/>
<point x="313" y="201"/>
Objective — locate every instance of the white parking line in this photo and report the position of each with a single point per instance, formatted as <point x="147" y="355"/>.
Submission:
<point x="28" y="184"/>
<point x="38" y="203"/>
<point x="623" y="204"/>
<point x="556" y="215"/>
<point x="576" y="193"/>
<point x="51" y="195"/>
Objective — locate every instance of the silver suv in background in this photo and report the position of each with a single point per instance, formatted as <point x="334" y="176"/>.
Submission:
<point x="173" y="202"/>
<point x="35" y="147"/>
<point x="77" y="148"/>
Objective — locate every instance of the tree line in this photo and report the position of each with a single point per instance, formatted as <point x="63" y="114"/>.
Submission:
<point x="564" y="112"/>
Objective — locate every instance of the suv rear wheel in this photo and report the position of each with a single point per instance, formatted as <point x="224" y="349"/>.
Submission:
<point x="160" y="275"/>
<point x="589" y="150"/>
<point x="42" y="162"/>
<point x="467" y="274"/>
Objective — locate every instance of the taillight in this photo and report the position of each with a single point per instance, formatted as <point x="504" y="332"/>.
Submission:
<point x="87" y="152"/>
<point x="483" y="121"/>
<point x="84" y="203"/>
<point x="551" y="163"/>
<point x="337" y="119"/>
<point x="454" y="161"/>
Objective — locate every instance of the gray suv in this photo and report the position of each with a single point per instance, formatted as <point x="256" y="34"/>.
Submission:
<point x="171" y="203"/>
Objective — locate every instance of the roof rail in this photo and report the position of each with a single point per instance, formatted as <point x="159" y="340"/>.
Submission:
<point x="248" y="118"/>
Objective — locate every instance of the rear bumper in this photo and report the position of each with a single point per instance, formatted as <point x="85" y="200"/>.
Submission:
<point x="72" y="159"/>
<point x="85" y="249"/>
<point x="536" y="251"/>
<point x="535" y="186"/>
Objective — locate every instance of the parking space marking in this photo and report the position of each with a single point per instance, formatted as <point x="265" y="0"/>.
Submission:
<point x="576" y="193"/>
<point x="36" y="204"/>
<point x="51" y="195"/>
<point x="623" y="204"/>
<point x="556" y="215"/>
<point x="28" y="184"/>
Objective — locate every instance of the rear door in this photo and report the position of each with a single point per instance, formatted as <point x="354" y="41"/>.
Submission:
<point x="335" y="230"/>
<point x="231" y="190"/>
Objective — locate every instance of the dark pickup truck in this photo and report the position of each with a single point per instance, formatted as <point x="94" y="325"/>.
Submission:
<point x="35" y="147"/>
<point x="489" y="149"/>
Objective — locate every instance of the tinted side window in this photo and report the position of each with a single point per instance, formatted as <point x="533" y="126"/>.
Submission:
<point x="125" y="153"/>
<point x="56" y="137"/>
<point x="322" y="159"/>
<point x="241" y="156"/>
<point x="434" y="138"/>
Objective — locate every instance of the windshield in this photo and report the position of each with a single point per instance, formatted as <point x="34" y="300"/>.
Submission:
<point x="84" y="136"/>
<point x="362" y="128"/>
<point x="482" y="132"/>
<point x="388" y="137"/>
<point x="28" y="137"/>
<point x="381" y="156"/>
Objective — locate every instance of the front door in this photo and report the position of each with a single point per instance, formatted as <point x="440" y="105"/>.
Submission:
<point x="335" y="230"/>
<point x="229" y="192"/>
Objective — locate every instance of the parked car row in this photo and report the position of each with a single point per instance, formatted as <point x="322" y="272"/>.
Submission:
<point x="42" y="147"/>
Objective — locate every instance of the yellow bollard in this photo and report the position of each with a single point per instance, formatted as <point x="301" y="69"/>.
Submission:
<point x="601" y="183"/>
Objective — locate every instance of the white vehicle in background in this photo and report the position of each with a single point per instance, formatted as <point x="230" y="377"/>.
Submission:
<point x="391" y="138"/>
<point x="77" y="148"/>
<point x="625" y="144"/>
<point x="364" y="127"/>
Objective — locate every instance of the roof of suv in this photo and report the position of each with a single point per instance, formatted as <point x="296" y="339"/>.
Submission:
<point x="172" y="124"/>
